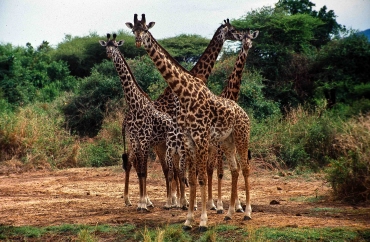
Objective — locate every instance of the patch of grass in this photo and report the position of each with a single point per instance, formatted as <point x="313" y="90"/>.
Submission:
<point x="311" y="234"/>
<point x="129" y="232"/>
<point x="86" y="236"/>
<point x="23" y="232"/>
<point x="330" y="210"/>
<point x="314" y="199"/>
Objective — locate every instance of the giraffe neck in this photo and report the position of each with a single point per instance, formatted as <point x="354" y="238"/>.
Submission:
<point x="135" y="97"/>
<point x="176" y="76"/>
<point x="203" y="67"/>
<point x="231" y="90"/>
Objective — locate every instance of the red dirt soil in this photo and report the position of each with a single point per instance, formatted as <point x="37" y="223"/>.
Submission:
<point x="94" y="195"/>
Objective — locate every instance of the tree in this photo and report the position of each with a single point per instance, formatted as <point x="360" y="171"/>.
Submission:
<point x="283" y="39"/>
<point x="343" y="66"/>
<point x="82" y="53"/>
<point x="325" y="32"/>
<point x="184" y="47"/>
<point x="29" y="74"/>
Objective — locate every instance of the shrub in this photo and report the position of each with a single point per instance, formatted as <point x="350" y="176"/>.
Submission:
<point x="84" y="112"/>
<point x="349" y="171"/>
<point x="34" y="135"/>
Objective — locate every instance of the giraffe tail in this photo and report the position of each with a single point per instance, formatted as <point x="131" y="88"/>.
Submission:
<point x="124" y="161"/>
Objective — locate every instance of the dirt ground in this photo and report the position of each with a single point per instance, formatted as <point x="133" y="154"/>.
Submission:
<point x="94" y="195"/>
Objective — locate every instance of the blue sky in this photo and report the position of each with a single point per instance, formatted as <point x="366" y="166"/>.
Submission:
<point x="33" y="21"/>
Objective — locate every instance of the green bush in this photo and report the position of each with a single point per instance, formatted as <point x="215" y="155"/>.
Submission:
<point x="145" y="72"/>
<point x="100" y="153"/>
<point x="34" y="135"/>
<point x="29" y="75"/>
<point x="349" y="170"/>
<point x="84" y="112"/>
<point x="82" y="53"/>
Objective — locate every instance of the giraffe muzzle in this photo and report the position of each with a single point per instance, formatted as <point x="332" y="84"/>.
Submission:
<point x="138" y="44"/>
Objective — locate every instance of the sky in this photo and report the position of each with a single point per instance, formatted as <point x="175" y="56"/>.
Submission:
<point x="33" y="21"/>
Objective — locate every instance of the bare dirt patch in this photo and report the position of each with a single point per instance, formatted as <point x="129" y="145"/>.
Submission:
<point x="94" y="195"/>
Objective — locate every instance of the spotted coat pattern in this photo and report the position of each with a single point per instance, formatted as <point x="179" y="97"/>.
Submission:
<point x="205" y="119"/>
<point x="145" y="127"/>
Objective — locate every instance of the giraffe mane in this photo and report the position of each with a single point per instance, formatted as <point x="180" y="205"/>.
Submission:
<point x="170" y="57"/>
<point x="133" y="77"/>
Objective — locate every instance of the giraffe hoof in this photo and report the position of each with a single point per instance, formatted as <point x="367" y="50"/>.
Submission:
<point x="213" y="208"/>
<point x="227" y="218"/>
<point x="240" y="210"/>
<point x="202" y="229"/>
<point x="142" y="210"/>
<point x="247" y="218"/>
<point x="166" y="208"/>
<point x="150" y="205"/>
<point x="184" y="208"/>
<point x="186" y="227"/>
<point x="220" y="211"/>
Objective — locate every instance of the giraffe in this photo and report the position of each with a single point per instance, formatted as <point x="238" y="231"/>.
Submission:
<point x="146" y="127"/>
<point x="205" y="119"/>
<point x="231" y="91"/>
<point x="202" y="69"/>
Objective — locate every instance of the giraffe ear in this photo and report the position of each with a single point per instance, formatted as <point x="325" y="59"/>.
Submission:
<point x="150" y="25"/>
<point x="238" y="35"/>
<point x="120" y="42"/>
<point x="129" y="25"/>
<point x="255" y="34"/>
<point x="102" y="43"/>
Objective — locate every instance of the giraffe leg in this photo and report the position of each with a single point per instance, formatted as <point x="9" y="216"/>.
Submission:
<point x="210" y="168"/>
<point x="248" y="207"/>
<point x="220" y="172"/>
<point x="192" y="187"/>
<point x="142" y="207"/>
<point x="230" y="150"/>
<point x="202" y="161"/>
<point x="141" y="171"/>
<point x="238" y="205"/>
<point x="127" y="167"/>
<point x="192" y="177"/>
<point x="244" y="157"/>
<point x="174" y="192"/>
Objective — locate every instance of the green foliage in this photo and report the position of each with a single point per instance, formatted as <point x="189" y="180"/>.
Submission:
<point x="82" y="53"/>
<point x="349" y="171"/>
<point x="307" y="234"/>
<point x="323" y="33"/>
<point x="281" y="40"/>
<point x="251" y="96"/>
<point x="34" y="135"/>
<point x="302" y="138"/>
<point x="29" y="75"/>
<point x="84" y="111"/>
<point x="290" y="36"/>
<point x="343" y="66"/>
<point x="103" y="152"/>
<point x="184" y="47"/>
<point x="145" y="72"/>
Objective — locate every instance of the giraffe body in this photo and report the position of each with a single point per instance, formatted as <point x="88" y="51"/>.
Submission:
<point x="168" y="101"/>
<point x="145" y="127"/>
<point x="205" y="119"/>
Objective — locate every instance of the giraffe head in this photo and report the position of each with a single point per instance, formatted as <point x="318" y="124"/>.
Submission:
<point x="228" y="30"/>
<point x="139" y="28"/>
<point x="246" y="38"/>
<point x="111" y="44"/>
